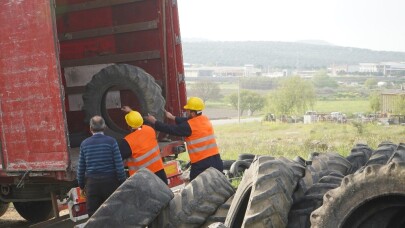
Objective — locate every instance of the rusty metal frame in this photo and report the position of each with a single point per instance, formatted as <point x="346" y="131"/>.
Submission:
<point x="129" y="57"/>
<point x="148" y="25"/>
<point x="92" y="5"/>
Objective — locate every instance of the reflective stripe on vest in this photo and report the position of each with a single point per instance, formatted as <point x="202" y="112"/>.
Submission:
<point x="145" y="150"/>
<point x="201" y="143"/>
<point x="136" y="168"/>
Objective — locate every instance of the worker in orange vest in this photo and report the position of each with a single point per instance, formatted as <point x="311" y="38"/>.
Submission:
<point x="199" y="136"/>
<point x="140" y="148"/>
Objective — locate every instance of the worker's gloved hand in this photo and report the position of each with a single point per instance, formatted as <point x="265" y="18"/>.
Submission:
<point x="150" y="118"/>
<point x="126" y="109"/>
<point x="169" y="115"/>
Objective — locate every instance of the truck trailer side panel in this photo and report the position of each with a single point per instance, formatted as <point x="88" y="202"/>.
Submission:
<point x="33" y="130"/>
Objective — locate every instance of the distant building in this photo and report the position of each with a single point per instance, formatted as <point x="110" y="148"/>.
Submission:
<point x="369" y="68"/>
<point x="392" y="100"/>
<point x="222" y="71"/>
<point x="384" y="68"/>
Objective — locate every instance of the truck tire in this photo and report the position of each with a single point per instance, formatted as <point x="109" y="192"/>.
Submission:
<point x="299" y="215"/>
<point x="263" y="197"/>
<point x="358" y="157"/>
<point x="227" y="164"/>
<point x="246" y="156"/>
<point x="136" y="203"/>
<point x="220" y="213"/>
<point x="34" y="211"/>
<point x="331" y="162"/>
<point x="3" y="207"/>
<point x="382" y="154"/>
<point x="237" y="211"/>
<point x="399" y="154"/>
<point x="238" y="168"/>
<point x="270" y="200"/>
<point x="142" y="84"/>
<point x="375" y="189"/>
<point x="199" y="199"/>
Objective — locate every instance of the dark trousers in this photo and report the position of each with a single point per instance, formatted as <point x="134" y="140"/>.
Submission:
<point x="199" y="167"/>
<point x="98" y="190"/>
<point x="162" y="175"/>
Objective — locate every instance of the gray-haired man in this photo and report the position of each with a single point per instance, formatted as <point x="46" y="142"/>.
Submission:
<point x="100" y="168"/>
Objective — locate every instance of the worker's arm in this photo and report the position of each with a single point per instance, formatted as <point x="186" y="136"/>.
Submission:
<point x="125" y="149"/>
<point x="183" y="129"/>
<point x="180" y="120"/>
<point x="81" y="169"/>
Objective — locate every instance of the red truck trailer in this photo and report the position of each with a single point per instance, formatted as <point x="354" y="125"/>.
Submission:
<point x="62" y="61"/>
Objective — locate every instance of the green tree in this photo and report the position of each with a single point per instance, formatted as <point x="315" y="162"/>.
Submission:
<point x="293" y="96"/>
<point x="321" y="79"/>
<point x="205" y="90"/>
<point x="248" y="101"/>
<point x="370" y="83"/>
<point x="375" y="101"/>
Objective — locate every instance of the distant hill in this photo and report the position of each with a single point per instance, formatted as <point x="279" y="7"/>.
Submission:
<point x="280" y="54"/>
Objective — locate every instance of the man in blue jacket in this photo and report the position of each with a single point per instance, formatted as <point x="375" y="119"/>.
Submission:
<point x="100" y="171"/>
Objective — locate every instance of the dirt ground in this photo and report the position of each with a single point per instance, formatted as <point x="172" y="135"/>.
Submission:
<point x="13" y="220"/>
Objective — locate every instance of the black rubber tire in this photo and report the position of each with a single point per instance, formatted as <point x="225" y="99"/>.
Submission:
<point x="238" y="168"/>
<point x="361" y="195"/>
<point x="398" y="155"/>
<point x="331" y="162"/>
<point x="270" y="200"/>
<point x="311" y="176"/>
<point x="3" y="207"/>
<point x="237" y="211"/>
<point x="266" y="191"/>
<point x="199" y="199"/>
<point x="136" y="203"/>
<point x="220" y="213"/>
<point x="299" y="215"/>
<point x="227" y="164"/>
<point x="246" y="156"/>
<point x="358" y="157"/>
<point x="135" y="79"/>
<point x="34" y="211"/>
<point x="382" y="154"/>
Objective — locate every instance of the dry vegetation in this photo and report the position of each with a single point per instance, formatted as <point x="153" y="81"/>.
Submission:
<point x="290" y="140"/>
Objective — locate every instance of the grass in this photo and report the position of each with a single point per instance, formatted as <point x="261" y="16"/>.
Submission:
<point x="344" y="106"/>
<point x="291" y="140"/>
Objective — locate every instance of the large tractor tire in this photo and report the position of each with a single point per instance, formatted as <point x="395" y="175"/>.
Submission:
<point x="363" y="197"/>
<point x="382" y="154"/>
<point x="331" y="162"/>
<point x="239" y="204"/>
<point x="3" y="207"/>
<point x="199" y="199"/>
<point x="358" y="157"/>
<point x="220" y="213"/>
<point x="399" y="154"/>
<point x="136" y="203"/>
<point x="34" y="211"/>
<point x="135" y="79"/>
<point x="263" y="198"/>
<point x="299" y="215"/>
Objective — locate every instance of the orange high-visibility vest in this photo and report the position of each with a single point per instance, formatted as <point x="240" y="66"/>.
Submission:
<point x="145" y="150"/>
<point x="201" y="143"/>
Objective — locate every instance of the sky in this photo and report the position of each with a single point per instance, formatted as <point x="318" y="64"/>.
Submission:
<point x="371" y="24"/>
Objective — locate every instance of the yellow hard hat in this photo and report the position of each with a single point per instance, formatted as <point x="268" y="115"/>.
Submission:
<point x="195" y="103"/>
<point x="134" y="119"/>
